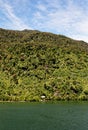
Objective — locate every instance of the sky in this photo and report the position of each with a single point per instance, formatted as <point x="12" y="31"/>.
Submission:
<point x="65" y="17"/>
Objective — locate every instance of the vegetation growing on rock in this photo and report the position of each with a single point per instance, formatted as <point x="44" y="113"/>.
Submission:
<point x="37" y="64"/>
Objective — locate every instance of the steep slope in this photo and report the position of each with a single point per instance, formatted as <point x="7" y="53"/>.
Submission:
<point x="37" y="66"/>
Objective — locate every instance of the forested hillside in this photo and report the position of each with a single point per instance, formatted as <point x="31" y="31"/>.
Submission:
<point x="36" y="66"/>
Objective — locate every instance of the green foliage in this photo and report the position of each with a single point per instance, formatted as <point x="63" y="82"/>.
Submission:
<point x="35" y="64"/>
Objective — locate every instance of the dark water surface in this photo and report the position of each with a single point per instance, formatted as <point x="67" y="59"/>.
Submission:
<point x="44" y="116"/>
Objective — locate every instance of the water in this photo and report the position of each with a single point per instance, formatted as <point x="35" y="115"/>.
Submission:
<point x="44" y="116"/>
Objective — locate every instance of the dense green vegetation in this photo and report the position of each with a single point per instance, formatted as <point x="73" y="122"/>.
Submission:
<point x="37" y="66"/>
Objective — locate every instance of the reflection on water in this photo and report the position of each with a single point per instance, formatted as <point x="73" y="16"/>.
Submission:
<point x="44" y="116"/>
